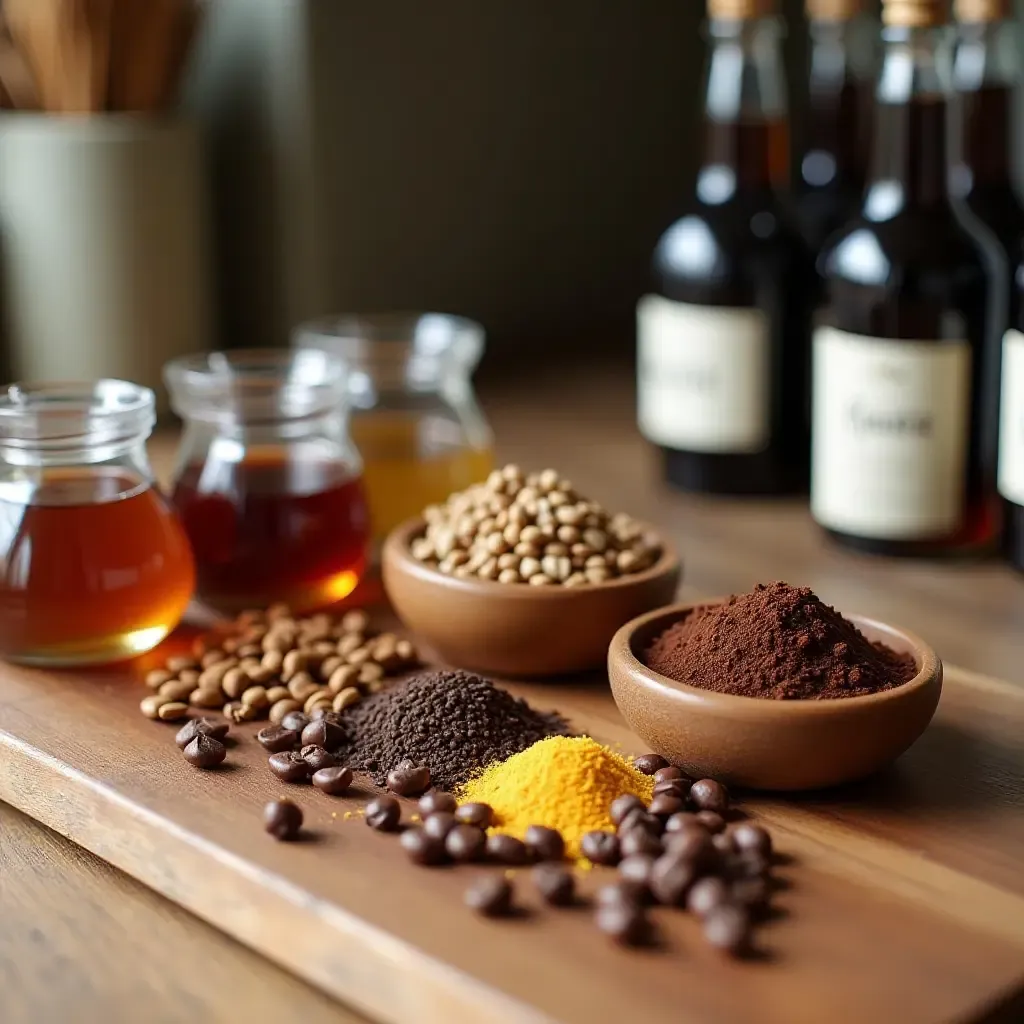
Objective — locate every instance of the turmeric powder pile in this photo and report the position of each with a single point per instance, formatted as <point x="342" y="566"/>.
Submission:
<point x="563" y="782"/>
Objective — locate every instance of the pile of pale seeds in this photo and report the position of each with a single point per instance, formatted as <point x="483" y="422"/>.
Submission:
<point x="267" y="664"/>
<point x="532" y="529"/>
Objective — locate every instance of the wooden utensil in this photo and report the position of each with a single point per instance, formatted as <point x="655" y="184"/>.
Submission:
<point x="67" y="45"/>
<point x="150" y="42"/>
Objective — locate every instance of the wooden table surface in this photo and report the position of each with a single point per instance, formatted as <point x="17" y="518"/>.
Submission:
<point x="80" y="941"/>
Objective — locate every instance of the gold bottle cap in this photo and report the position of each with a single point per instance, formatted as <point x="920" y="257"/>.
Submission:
<point x="914" y="13"/>
<point x="834" y="10"/>
<point x="982" y="10"/>
<point x="741" y="10"/>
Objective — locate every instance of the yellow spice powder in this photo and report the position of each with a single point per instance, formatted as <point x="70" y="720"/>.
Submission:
<point x="566" y="783"/>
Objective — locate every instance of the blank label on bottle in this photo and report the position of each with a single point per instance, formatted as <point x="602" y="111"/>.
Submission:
<point x="703" y="376"/>
<point x="1011" y="420"/>
<point x="889" y="435"/>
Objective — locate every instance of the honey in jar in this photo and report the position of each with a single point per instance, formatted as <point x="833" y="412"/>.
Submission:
<point x="415" y="419"/>
<point x="269" y="487"/>
<point x="94" y="565"/>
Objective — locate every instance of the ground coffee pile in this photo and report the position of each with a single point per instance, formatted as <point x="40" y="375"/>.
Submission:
<point x="778" y="642"/>
<point x="455" y="723"/>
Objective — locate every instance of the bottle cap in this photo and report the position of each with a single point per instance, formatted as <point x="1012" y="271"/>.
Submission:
<point x="914" y="13"/>
<point x="981" y="10"/>
<point x="741" y="10"/>
<point x="834" y="10"/>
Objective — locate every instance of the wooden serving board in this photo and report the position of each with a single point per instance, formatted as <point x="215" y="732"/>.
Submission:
<point x="906" y="900"/>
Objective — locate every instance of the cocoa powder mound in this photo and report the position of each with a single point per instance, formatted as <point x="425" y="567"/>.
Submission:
<point x="778" y="642"/>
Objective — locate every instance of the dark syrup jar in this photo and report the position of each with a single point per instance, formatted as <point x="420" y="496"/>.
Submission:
<point x="903" y="438"/>
<point x="833" y="165"/>
<point x="723" y="337"/>
<point x="986" y="72"/>
<point x="268" y="485"/>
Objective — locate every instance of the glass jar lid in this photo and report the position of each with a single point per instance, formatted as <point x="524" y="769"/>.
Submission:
<point x="60" y="418"/>
<point x="256" y="385"/>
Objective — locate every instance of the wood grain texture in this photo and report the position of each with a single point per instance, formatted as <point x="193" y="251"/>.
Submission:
<point x="82" y="942"/>
<point x="906" y="903"/>
<point x="880" y="924"/>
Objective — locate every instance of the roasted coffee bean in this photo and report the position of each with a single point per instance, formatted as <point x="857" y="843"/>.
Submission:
<point x="753" y="893"/>
<point x="289" y="766"/>
<point x="323" y="733"/>
<point x="545" y="843"/>
<point x="282" y="819"/>
<point x="623" y="891"/>
<point x="671" y="878"/>
<point x="748" y="864"/>
<point x="649" y="763"/>
<point x="693" y="845"/>
<point x="637" y="869"/>
<point x="383" y="813"/>
<point x="722" y="842"/>
<point x="507" y="850"/>
<point x="622" y="805"/>
<point x="624" y="922"/>
<point x="204" y="751"/>
<point x="326" y="713"/>
<point x="710" y="795"/>
<point x="712" y="821"/>
<point x="276" y="738"/>
<point x="408" y="779"/>
<point x="207" y="726"/>
<point x="727" y="928"/>
<point x="491" y="896"/>
<point x="668" y="774"/>
<point x="333" y="780"/>
<point x="601" y="848"/>
<point x="746" y="836"/>
<point x="683" y="821"/>
<point x="464" y="843"/>
<point x="664" y="806"/>
<point x="706" y="894"/>
<point x="437" y="800"/>
<point x="640" y="818"/>
<point x="423" y="848"/>
<point x="295" y="720"/>
<point x="678" y="788"/>
<point x="317" y="758"/>
<point x="639" y="840"/>
<point x="555" y="883"/>
<point x="441" y="823"/>
<point x="477" y="814"/>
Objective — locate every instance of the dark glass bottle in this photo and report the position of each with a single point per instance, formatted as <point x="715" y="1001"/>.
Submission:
<point x="723" y="338"/>
<point x="986" y="71"/>
<point x="903" y="442"/>
<point x="833" y="169"/>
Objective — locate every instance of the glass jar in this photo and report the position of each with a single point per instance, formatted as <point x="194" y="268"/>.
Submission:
<point x="95" y="566"/>
<point x="415" y="418"/>
<point x="268" y="484"/>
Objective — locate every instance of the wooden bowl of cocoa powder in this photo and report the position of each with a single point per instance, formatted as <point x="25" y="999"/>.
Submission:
<point x="776" y="740"/>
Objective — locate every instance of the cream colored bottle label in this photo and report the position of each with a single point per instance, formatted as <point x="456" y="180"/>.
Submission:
<point x="889" y="435"/>
<point x="1011" y="420"/>
<point x="703" y="376"/>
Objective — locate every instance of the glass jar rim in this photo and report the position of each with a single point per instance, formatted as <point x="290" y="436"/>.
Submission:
<point x="256" y="384"/>
<point x="365" y="339"/>
<point x="73" y="414"/>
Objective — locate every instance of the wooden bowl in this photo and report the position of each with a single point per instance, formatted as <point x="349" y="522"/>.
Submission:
<point x="512" y="629"/>
<point x="763" y="743"/>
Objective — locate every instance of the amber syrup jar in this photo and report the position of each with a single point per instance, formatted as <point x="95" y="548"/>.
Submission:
<point x="268" y="485"/>
<point x="95" y="565"/>
<point x="903" y="424"/>
<point x="723" y="336"/>
<point x="833" y="164"/>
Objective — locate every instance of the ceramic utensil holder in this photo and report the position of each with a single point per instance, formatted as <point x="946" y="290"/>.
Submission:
<point x="103" y="246"/>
